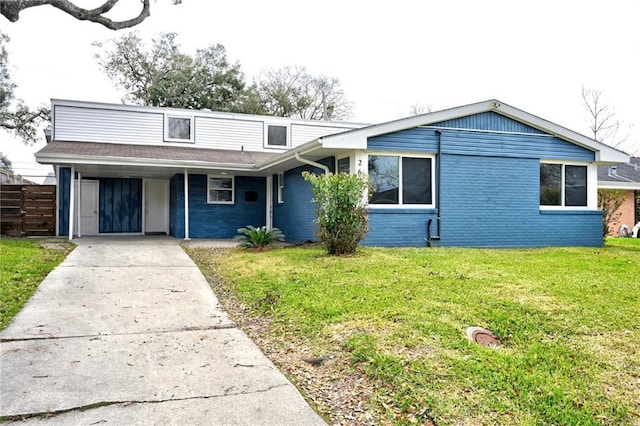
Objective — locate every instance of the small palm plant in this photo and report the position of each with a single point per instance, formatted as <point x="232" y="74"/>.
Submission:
<point x="258" y="238"/>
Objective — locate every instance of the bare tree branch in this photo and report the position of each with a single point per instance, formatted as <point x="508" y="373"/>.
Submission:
<point x="11" y="9"/>
<point x="602" y="120"/>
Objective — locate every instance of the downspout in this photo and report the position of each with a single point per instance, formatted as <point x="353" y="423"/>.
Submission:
<point x="312" y="163"/>
<point x="438" y="187"/>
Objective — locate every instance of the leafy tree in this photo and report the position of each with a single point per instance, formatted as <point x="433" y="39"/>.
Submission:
<point x="5" y="163"/>
<point x="15" y="116"/>
<point x="341" y="213"/>
<point x="162" y="75"/>
<point x="11" y="9"/>
<point x="292" y="92"/>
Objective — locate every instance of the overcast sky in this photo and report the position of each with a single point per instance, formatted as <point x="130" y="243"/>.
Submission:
<point x="388" y="55"/>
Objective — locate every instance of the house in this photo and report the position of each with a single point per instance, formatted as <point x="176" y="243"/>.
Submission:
<point x="624" y="177"/>
<point x="485" y="174"/>
<point x="7" y="177"/>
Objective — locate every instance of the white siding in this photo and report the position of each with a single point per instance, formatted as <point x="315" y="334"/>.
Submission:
<point x="107" y="125"/>
<point x="303" y="133"/>
<point x="220" y="133"/>
<point x="94" y="122"/>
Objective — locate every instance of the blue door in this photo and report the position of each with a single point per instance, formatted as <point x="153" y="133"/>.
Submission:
<point x="120" y="205"/>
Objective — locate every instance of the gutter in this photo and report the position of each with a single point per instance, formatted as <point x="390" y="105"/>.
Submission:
<point x="312" y="163"/>
<point x="148" y="162"/>
<point x="287" y="155"/>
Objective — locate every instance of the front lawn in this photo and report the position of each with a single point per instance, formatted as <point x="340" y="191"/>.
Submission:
<point x="383" y="331"/>
<point x="23" y="266"/>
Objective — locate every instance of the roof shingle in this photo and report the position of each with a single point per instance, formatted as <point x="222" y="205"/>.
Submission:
<point x="153" y="152"/>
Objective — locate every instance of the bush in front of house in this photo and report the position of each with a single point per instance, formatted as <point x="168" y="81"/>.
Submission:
<point x="609" y="201"/>
<point x="258" y="238"/>
<point x="341" y="210"/>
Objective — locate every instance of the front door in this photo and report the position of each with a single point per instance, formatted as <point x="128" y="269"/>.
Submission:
<point x="156" y="206"/>
<point x="89" y="208"/>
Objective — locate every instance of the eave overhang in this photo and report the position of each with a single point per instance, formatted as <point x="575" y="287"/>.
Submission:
<point x="357" y="139"/>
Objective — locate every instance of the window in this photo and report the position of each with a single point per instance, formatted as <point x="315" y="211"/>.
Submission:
<point x="401" y="180"/>
<point x="563" y="185"/>
<point x="220" y="190"/>
<point x="178" y="128"/>
<point x="277" y="136"/>
<point x="280" y="188"/>
<point x="343" y="165"/>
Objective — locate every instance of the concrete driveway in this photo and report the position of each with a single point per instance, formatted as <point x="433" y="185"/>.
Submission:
<point x="127" y="331"/>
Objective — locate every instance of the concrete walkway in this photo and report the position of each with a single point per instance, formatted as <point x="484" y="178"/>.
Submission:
<point x="127" y="331"/>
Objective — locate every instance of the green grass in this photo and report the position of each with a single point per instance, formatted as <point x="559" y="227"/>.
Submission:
<point x="568" y="318"/>
<point x="23" y="265"/>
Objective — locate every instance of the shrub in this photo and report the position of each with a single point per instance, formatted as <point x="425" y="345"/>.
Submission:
<point x="258" y="238"/>
<point x="609" y="201"/>
<point x="341" y="213"/>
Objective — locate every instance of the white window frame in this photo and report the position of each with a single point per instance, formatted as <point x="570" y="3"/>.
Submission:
<point x="232" y="189"/>
<point x="266" y="135"/>
<point x="400" y="156"/>
<point x="342" y="158"/>
<point x="280" y="192"/>
<point x="167" y="138"/>
<point x="592" y="176"/>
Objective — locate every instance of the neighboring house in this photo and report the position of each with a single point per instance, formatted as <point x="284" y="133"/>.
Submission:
<point x="9" y="178"/>
<point x="484" y="174"/>
<point x="625" y="177"/>
<point x="50" y="179"/>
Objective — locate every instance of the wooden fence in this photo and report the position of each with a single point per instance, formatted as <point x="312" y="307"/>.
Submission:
<point x="27" y="210"/>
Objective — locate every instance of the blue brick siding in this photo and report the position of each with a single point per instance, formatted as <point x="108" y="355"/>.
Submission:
<point x="487" y="202"/>
<point x="489" y="188"/>
<point x="215" y="220"/>
<point x="64" y="179"/>
<point x="295" y="217"/>
<point x="399" y="227"/>
<point x="494" y="202"/>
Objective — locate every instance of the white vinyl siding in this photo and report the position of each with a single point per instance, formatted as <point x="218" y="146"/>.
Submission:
<point x="219" y="133"/>
<point x="107" y="125"/>
<point x="125" y="124"/>
<point x="302" y="133"/>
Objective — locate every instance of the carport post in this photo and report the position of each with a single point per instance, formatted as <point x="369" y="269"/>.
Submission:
<point x="72" y="195"/>
<point x="79" y="208"/>
<point x="186" y="205"/>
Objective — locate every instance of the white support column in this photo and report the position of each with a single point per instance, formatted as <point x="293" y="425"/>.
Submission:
<point x="79" y="209"/>
<point x="58" y="189"/>
<point x="186" y="205"/>
<point x="72" y="195"/>
<point x="269" y="202"/>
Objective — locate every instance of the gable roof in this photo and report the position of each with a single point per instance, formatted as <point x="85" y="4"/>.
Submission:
<point x="357" y="139"/>
<point x="621" y="176"/>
